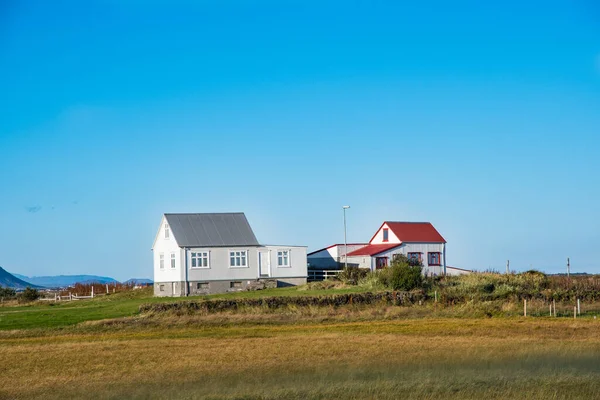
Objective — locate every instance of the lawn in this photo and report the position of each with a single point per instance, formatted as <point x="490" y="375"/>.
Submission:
<point x="416" y="358"/>
<point x="104" y="349"/>
<point x="54" y="315"/>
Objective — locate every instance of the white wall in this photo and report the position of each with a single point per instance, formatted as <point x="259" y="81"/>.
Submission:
<point x="167" y="246"/>
<point x="457" y="271"/>
<point x="422" y="248"/>
<point x="219" y="268"/>
<point x="378" y="238"/>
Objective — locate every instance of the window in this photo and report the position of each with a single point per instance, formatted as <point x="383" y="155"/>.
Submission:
<point x="161" y="261"/>
<point x="434" y="258"/>
<point x="235" y="285"/>
<point x="172" y="260"/>
<point x="237" y="258"/>
<point x="167" y="231"/>
<point x="283" y="258"/>
<point x="386" y="235"/>
<point x="202" y="285"/>
<point x="162" y="288"/>
<point x="200" y="259"/>
<point x="414" y="256"/>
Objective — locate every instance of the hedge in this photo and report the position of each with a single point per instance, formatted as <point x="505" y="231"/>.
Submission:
<point x="217" y="305"/>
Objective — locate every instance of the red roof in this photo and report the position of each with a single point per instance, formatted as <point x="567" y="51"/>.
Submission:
<point x="414" y="232"/>
<point x="372" y="249"/>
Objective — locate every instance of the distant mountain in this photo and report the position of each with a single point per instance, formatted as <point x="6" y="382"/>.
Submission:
<point x="11" y="281"/>
<point x="65" y="280"/>
<point x="138" y="281"/>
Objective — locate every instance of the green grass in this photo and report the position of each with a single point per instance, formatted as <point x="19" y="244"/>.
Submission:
<point x="60" y="314"/>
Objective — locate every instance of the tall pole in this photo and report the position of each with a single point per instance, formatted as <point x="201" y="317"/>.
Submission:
<point x="508" y="267"/>
<point x="568" y="267"/>
<point x="345" y="241"/>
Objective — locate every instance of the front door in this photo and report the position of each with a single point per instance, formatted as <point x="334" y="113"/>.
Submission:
<point x="381" y="262"/>
<point x="263" y="263"/>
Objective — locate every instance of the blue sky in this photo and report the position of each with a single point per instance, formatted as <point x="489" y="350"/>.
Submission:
<point x="481" y="118"/>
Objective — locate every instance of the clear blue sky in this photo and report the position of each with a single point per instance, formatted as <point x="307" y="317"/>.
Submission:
<point x="481" y="117"/>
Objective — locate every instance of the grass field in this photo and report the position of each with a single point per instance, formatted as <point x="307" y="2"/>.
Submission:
<point x="52" y="315"/>
<point x="355" y="353"/>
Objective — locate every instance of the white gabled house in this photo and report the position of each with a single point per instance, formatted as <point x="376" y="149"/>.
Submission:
<point x="218" y="252"/>
<point x="418" y="240"/>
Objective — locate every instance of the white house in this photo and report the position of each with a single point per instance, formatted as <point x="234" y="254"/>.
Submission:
<point x="218" y="252"/>
<point x="413" y="239"/>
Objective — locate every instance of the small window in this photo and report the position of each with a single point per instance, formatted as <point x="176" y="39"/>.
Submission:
<point x="237" y="258"/>
<point x="385" y="235"/>
<point x="235" y="285"/>
<point x="200" y="259"/>
<point x="414" y="256"/>
<point x="167" y="231"/>
<point x="172" y="260"/>
<point x="202" y="285"/>
<point x="162" y="288"/>
<point x="283" y="258"/>
<point x="434" y="258"/>
<point x="161" y="261"/>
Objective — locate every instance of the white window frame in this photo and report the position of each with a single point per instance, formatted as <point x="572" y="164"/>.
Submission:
<point x="243" y="257"/>
<point x="167" y="231"/>
<point x="173" y="261"/>
<point x="204" y="255"/>
<point x="161" y="261"/>
<point x="288" y="256"/>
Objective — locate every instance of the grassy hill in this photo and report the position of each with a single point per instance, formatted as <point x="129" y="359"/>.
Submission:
<point x="9" y="280"/>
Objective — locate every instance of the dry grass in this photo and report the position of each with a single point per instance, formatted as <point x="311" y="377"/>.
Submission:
<point x="199" y="357"/>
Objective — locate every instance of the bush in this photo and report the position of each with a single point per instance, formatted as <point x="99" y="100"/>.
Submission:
<point x="352" y="275"/>
<point x="404" y="274"/>
<point x="29" y="294"/>
<point x="7" y="293"/>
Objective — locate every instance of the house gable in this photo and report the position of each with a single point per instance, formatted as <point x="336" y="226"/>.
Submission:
<point x="378" y="238"/>
<point x="160" y="234"/>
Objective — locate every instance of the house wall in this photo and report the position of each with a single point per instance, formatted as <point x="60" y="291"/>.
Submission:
<point x="423" y="248"/>
<point x="332" y="256"/>
<point x="167" y="246"/>
<point x="219" y="275"/>
<point x="361" y="261"/>
<point x="456" y="271"/>
<point x="378" y="238"/>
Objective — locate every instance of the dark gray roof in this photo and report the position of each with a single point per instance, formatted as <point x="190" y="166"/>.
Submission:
<point x="211" y="230"/>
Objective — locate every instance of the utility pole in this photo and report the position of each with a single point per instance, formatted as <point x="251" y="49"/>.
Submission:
<point x="345" y="241"/>
<point x="507" y="267"/>
<point x="568" y="267"/>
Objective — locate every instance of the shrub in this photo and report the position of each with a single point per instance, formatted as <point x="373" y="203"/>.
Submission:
<point x="7" y="293"/>
<point x="352" y="275"/>
<point x="29" y="294"/>
<point x="404" y="274"/>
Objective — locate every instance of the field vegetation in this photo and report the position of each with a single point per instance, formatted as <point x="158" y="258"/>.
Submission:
<point x="357" y="337"/>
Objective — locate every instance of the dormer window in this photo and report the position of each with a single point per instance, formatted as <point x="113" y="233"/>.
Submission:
<point x="386" y="235"/>
<point x="167" y="231"/>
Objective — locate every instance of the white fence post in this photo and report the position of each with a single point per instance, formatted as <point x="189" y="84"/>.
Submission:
<point x="524" y="307"/>
<point x="578" y="307"/>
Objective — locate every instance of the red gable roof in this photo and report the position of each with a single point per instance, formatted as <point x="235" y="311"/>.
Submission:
<point x="414" y="232"/>
<point x="373" y="249"/>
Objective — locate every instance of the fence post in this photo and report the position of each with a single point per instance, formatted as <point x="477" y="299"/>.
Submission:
<point x="524" y="307"/>
<point x="550" y="309"/>
<point x="70" y="296"/>
<point x="578" y="307"/>
<point x="107" y="288"/>
<point x="575" y="312"/>
<point x="436" y="296"/>
<point x="92" y="291"/>
<point x="554" y="305"/>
